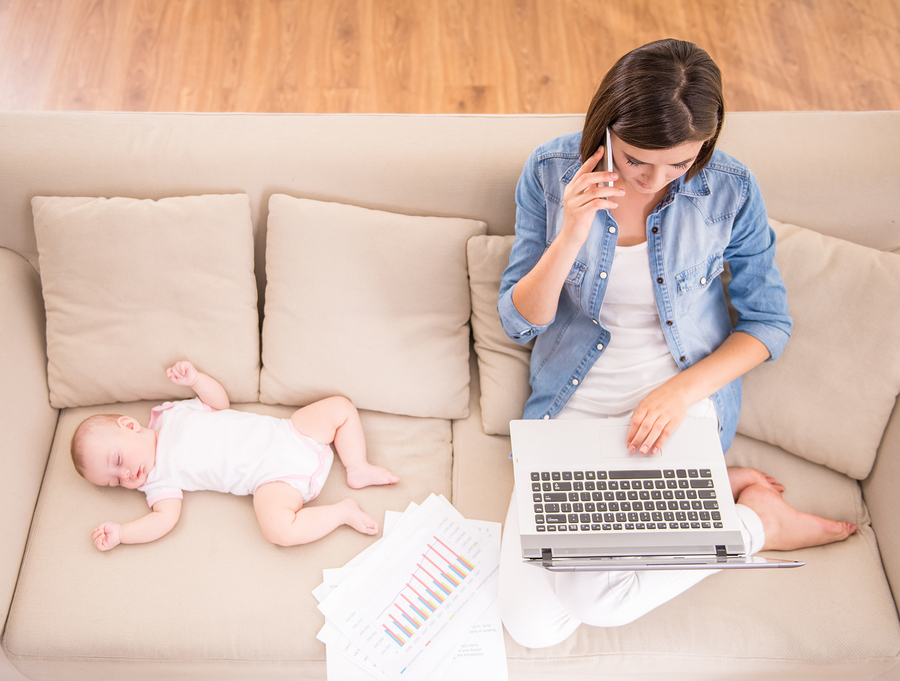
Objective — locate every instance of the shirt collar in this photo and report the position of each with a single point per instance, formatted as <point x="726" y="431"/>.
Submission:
<point x="697" y="186"/>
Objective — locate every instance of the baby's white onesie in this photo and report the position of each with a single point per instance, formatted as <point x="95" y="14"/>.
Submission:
<point x="198" y="448"/>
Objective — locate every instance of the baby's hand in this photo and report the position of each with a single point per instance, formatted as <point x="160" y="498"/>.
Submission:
<point x="182" y="373"/>
<point x="106" y="536"/>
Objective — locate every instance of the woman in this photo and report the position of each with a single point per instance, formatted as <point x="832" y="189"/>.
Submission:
<point x="620" y="286"/>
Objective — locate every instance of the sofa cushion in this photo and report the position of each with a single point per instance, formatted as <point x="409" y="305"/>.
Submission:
<point x="213" y="588"/>
<point x="370" y="305"/>
<point x="837" y="608"/>
<point x="503" y="364"/>
<point x="131" y="286"/>
<point x="828" y="398"/>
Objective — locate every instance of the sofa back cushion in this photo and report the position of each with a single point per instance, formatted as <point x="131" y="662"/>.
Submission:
<point x="366" y="304"/>
<point x="829" y="396"/>
<point x="131" y="286"/>
<point x="503" y="364"/>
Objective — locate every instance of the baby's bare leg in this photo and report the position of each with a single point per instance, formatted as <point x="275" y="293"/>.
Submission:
<point x="285" y="522"/>
<point x="335" y="419"/>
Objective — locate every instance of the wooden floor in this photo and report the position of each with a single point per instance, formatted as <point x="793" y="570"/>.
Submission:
<point x="431" y="56"/>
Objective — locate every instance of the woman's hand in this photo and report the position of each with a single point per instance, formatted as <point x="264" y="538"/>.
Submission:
<point x="656" y="417"/>
<point x="536" y="295"/>
<point x="585" y="195"/>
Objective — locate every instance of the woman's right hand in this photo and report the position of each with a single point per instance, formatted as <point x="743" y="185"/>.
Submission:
<point x="584" y="196"/>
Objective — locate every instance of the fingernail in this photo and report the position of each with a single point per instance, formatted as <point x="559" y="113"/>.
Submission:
<point x="644" y="449"/>
<point x="614" y="176"/>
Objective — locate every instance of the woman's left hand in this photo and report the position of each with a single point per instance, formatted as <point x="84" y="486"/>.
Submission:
<point x="656" y="418"/>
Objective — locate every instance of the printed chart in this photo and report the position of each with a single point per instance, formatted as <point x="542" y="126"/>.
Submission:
<point x="437" y="575"/>
<point x="416" y="596"/>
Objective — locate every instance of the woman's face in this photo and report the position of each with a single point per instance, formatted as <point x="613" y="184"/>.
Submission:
<point x="649" y="171"/>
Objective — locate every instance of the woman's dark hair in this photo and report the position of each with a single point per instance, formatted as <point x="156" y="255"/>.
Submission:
<point x="659" y="96"/>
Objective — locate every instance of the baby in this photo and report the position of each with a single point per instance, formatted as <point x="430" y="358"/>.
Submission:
<point x="201" y="444"/>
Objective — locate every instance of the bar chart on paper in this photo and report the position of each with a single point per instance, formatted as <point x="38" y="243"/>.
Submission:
<point x="437" y="575"/>
<point x="412" y="601"/>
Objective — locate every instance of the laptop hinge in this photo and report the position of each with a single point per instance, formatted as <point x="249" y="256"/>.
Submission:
<point x="546" y="558"/>
<point x="720" y="552"/>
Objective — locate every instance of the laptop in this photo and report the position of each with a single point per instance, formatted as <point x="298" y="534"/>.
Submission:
<point x="585" y="502"/>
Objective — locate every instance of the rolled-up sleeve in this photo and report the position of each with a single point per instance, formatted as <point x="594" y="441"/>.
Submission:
<point x="529" y="246"/>
<point x="757" y="290"/>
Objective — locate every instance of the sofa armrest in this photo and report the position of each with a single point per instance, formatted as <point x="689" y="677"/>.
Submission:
<point x="27" y="422"/>
<point x="880" y="494"/>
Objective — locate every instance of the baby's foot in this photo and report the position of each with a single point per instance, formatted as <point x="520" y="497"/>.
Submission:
<point x="741" y="478"/>
<point x="365" y="474"/>
<point x="787" y="528"/>
<point x="358" y="519"/>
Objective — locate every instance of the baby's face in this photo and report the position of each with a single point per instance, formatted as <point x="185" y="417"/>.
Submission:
<point x="122" y="455"/>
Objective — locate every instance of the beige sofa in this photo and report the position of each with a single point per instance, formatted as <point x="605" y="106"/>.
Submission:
<point x="367" y="301"/>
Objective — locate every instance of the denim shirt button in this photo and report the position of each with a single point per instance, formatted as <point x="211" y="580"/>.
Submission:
<point x="603" y="275"/>
<point x="574" y="381"/>
<point x="596" y="321"/>
<point x="600" y="347"/>
<point x="546" y="417"/>
<point x="655" y="230"/>
<point x="612" y="230"/>
<point x="702" y="281"/>
<point x="669" y="323"/>
<point x="660" y="280"/>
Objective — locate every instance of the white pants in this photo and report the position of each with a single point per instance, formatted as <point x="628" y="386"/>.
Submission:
<point x="541" y="608"/>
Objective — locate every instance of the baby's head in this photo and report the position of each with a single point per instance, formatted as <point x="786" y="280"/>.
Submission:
<point x="113" y="450"/>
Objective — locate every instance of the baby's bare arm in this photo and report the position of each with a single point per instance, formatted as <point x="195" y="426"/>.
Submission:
<point x="208" y="389"/>
<point x="158" y="523"/>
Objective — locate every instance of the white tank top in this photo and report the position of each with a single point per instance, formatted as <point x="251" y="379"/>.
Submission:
<point x="636" y="359"/>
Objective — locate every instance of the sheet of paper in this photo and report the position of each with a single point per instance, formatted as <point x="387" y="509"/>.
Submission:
<point x="334" y="576"/>
<point x="410" y="603"/>
<point x="481" y="656"/>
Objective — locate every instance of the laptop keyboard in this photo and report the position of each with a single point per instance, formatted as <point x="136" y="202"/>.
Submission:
<point x="607" y="501"/>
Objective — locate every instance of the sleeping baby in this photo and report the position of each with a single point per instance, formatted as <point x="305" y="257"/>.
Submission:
<point x="202" y="444"/>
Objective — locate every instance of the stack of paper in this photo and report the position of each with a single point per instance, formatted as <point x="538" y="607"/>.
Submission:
<point x="420" y="603"/>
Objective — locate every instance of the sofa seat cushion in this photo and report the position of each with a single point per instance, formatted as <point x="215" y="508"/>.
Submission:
<point x="367" y="304"/>
<point x="132" y="286"/>
<point x="212" y="589"/>
<point x="836" y="609"/>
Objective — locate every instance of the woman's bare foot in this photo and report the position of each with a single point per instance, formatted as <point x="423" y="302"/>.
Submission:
<point x="785" y="527"/>
<point x="742" y="477"/>
<point x="365" y="474"/>
<point x="356" y="518"/>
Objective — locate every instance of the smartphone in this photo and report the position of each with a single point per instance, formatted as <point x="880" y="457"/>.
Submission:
<point x="607" y="156"/>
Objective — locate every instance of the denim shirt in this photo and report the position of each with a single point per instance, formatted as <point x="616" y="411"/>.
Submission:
<point x="715" y="218"/>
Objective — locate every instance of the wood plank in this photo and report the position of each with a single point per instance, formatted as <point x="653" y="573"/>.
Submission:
<point x="34" y="36"/>
<point x="87" y="76"/>
<point x="431" y="56"/>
